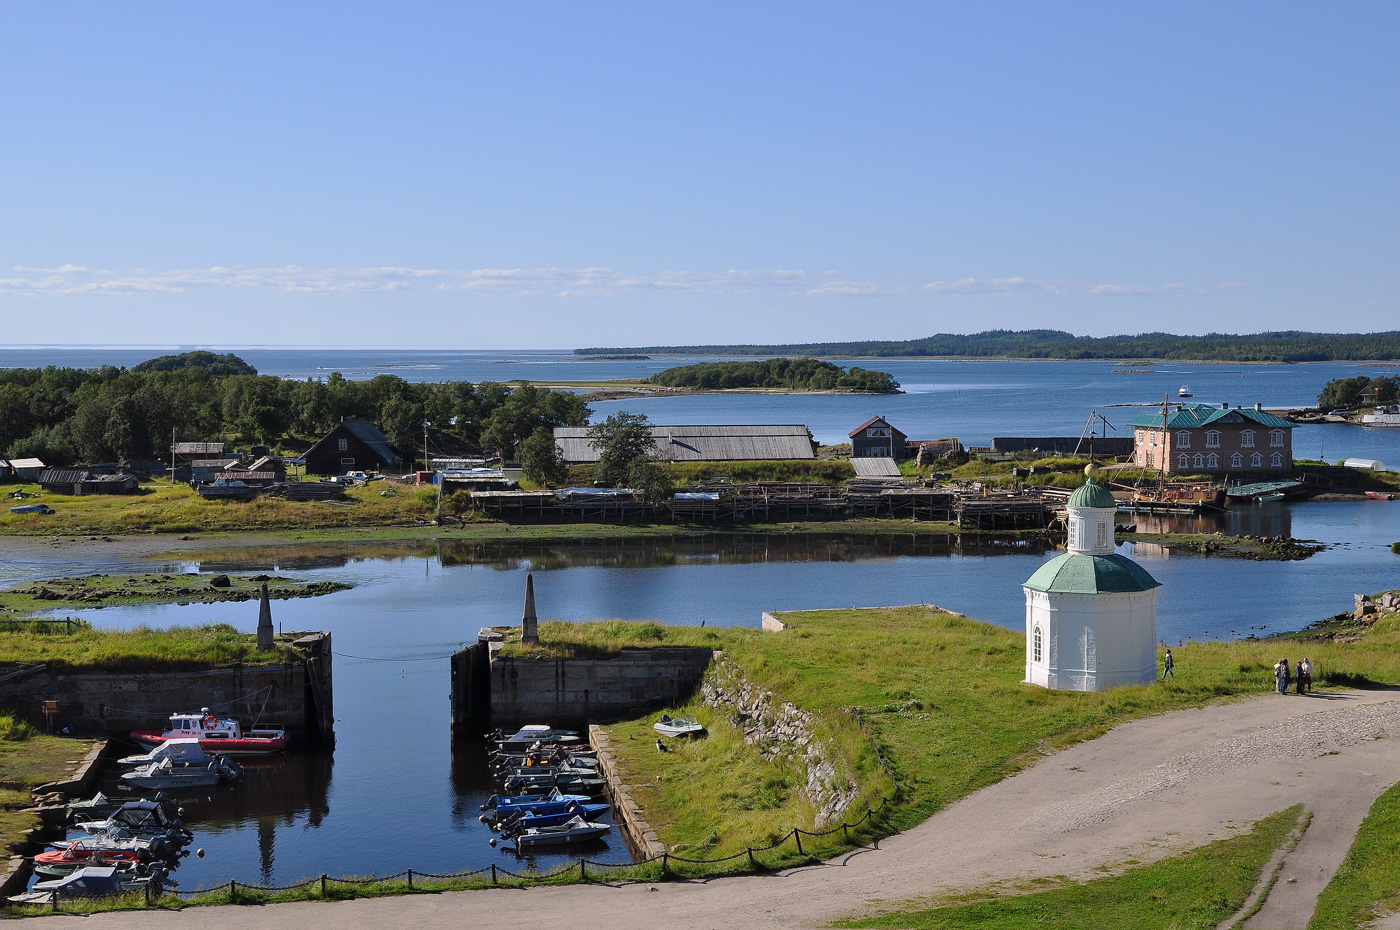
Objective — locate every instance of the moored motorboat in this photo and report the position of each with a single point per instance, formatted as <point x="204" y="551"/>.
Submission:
<point x="569" y="833"/>
<point x="167" y="775"/>
<point x="535" y="735"/>
<point x="678" y="726"/>
<point x="528" y="819"/>
<point x="222" y="735"/>
<point x="1184" y="391"/>
<point x="91" y="882"/>
<point x="1380" y="495"/>
<point x="140" y="818"/>
<point x="187" y="750"/>
<point x="77" y="855"/>
<point x="525" y="783"/>
<point x="541" y="801"/>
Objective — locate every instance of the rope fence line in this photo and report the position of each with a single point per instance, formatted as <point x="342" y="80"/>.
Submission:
<point x="581" y="868"/>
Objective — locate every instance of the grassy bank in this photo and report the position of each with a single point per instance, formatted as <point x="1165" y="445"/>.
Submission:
<point x="1367" y="885"/>
<point x="29" y="759"/>
<point x="162" y="506"/>
<point x="1196" y="891"/>
<point x="78" y="645"/>
<point x="943" y="698"/>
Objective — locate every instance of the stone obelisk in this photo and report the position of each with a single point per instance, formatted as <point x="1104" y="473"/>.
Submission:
<point x="264" y="621"/>
<point x="530" y="634"/>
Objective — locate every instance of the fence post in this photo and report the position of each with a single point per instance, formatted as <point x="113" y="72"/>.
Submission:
<point x="55" y="901"/>
<point x="493" y="873"/>
<point x="148" y="894"/>
<point x="846" y="829"/>
<point x="663" y="863"/>
<point x="797" y="834"/>
<point x="233" y="891"/>
<point x="582" y="870"/>
<point x="410" y="879"/>
<point x="752" y="864"/>
<point x="323" y="884"/>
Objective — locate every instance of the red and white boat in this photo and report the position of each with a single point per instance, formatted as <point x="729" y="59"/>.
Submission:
<point x="217" y="735"/>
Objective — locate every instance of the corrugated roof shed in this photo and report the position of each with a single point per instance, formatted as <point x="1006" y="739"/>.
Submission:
<point x="702" y="443"/>
<point x="198" y="448"/>
<point x="63" y="476"/>
<point x="874" y="467"/>
<point x="1194" y="416"/>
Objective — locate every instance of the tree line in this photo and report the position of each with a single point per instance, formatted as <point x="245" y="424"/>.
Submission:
<point x="109" y="414"/>
<point x="798" y="374"/>
<point x="1286" y="346"/>
<point x="1360" y="391"/>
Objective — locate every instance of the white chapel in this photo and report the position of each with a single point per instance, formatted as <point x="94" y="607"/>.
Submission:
<point x="1091" y="614"/>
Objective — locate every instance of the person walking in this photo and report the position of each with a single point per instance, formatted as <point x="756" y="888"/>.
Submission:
<point x="1167" y="666"/>
<point x="1281" y="676"/>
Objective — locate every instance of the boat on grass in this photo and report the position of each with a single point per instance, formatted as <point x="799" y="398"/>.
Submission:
<point x="222" y="735"/>
<point x="678" y="726"/>
<point x="1380" y="495"/>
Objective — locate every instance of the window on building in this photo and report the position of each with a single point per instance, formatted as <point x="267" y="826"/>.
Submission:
<point x="1213" y="439"/>
<point x="344" y="445"/>
<point x="1103" y="533"/>
<point x="1247" y="439"/>
<point x="1152" y="438"/>
<point x="1256" y="461"/>
<point x="1276" y="438"/>
<point x="1183" y="439"/>
<point x="1200" y="460"/>
<point x="348" y="461"/>
<point x="1183" y="461"/>
<point x="1237" y="461"/>
<point x="1277" y="460"/>
<point x="1035" y="644"/>
<point x="1212" y="461"/>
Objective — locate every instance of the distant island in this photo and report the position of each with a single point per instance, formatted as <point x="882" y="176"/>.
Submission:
<point x="803" y="374"/>
<point x="1290" y="346"/>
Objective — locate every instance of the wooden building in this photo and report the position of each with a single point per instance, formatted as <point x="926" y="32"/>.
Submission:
<point x="1201" y="439"/>
<point x="876" y="438"/>
<point x="81" y="481"/>
<point x="354" y="445"/>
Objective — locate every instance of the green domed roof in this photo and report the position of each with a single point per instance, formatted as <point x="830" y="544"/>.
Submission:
<point x="1092" y="494"/>
<point x="1076" y="573"/>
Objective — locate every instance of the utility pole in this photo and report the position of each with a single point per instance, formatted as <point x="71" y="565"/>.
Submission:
<point x="172" y="453"/>
<point x="425" y="446"/>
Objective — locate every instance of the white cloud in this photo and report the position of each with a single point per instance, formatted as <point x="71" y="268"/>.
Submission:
<point x="852" y="289"/>
<point x="1000" y="287"/>
<point x="1161" y="290"/>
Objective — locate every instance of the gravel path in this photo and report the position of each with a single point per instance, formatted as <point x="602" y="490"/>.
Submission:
<point x="1144" y="791"/>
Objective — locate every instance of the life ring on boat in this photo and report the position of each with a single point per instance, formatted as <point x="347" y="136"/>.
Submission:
<point x="210" y="722"/>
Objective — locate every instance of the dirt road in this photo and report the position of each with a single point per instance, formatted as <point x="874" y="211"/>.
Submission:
<point x="1142" y="792"/>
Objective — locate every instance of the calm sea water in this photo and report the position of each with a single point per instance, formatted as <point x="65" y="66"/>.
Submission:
<point x="972" y="400"/>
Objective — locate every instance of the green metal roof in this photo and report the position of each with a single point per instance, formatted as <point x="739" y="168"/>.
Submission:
<point x="1194" y="416"/>
<point x="1076" y="573"/>
<point x="1091" y="494"/>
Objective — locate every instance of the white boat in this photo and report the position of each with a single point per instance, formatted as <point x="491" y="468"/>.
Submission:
<point x="188" y="751"/>
<point x="167" y="774"/>
<point x="678" y="726"/>
<point x="1184" y="391"/>
<point x="574" y="831"/>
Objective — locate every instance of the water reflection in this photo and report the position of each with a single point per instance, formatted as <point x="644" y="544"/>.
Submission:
<point x="1274" y="519"/>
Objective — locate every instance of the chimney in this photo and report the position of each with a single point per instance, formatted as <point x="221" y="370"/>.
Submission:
<point x="1258" y="406"/>
<point x="264" y="621"/>
<point x="530" y="632"/>
<point x="1225" y="405"/>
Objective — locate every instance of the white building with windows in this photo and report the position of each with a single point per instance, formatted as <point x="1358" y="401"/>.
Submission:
<point x="1091" y="614"/>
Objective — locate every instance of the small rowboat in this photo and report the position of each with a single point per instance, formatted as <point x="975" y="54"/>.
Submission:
<point x="678" y="726"/>
<point x="1380" y="495"/>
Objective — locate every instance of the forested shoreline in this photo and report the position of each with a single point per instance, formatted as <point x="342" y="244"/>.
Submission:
<point x="802" y="374"/>
<point x="1287" y="346"/>
<point x="110" y="414"/>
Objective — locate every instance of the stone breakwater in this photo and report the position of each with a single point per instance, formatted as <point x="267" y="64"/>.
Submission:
<point x="781" y="731"/>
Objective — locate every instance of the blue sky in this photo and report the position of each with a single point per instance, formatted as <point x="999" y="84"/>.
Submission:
<point x="556" y="175"/>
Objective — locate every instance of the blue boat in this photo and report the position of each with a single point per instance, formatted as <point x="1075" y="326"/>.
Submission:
<point x="537" y="802"/>
<point x="525" y="820"/>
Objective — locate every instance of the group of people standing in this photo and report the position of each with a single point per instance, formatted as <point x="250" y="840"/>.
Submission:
<point x="1303" y="677"/>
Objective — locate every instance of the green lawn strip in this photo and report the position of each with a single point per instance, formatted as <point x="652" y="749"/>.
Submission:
<point x="174" y="648"/>
<point x="28" y="760"/>
<point x="149" y="588"/>
<point x="1195" y="890"/>
<point x="1367" y="885"/>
